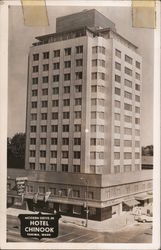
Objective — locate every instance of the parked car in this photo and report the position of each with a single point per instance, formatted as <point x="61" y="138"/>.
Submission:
<point x="143" y="218"/>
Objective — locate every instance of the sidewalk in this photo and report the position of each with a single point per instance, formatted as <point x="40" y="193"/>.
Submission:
<point x="117" y="223"/>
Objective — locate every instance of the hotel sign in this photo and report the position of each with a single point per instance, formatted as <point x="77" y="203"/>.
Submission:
<point x="39" y="225"/>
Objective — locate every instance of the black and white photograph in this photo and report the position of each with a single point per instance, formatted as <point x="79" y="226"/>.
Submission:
<point x="80" y="128"/>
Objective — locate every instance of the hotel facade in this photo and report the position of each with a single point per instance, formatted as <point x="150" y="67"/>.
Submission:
<point x="83" y="120"/>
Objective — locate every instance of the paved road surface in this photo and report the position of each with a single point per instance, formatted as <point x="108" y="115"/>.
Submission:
<point x="137" y="233"/>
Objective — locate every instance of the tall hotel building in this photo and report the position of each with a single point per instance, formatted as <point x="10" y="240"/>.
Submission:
<point x="83" y="119"/>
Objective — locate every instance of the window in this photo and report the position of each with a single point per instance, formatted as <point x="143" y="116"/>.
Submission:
<point x="65" y="169"/>
<point x="44" y="116"/>
<point x="78" y="88"/>
<point x="46" y="55"/>
<point x="137" y="144"/>
<point x="32" y="153"/>
<point x="67" y="64"/>
<point x="66" y="115"/>
<point x="54" y="141"/>
<point x="90" y="195"/>
<point x="79" y="62"/>
<point x="35" y="69"/>
<point x="55" y="115"/>
<point x="42" y="153"/>
<point x="128" y="59"/>
<point x="116" y="169"/>
<point x="65" y="128"/>
<point x="117" y="129"/>
<point x="55" y="78"/>
<point x="128" y="71"/>
<point x="117" y="66"/>
<point x="53" y="167"/>
<point x="56" y="65"/>
<point x="117" y="117"/>
<point x="55" y="103"/>
<point x="98" y="62"/>
<point x="128" y="95"/>
<point x="66" y="89"/>
<point x="78" y="75"/>
<point x="34" y="92"/>
<point x="98" y="49"/>
<point x="117" y="91"/>
<point x="33" y="117"/>
<point x="34" y="104"/>
<point x="32" y="166"/>
<point x="128" y="118"/>
<point x="137" y="155"/>
<point x="137" y="110"/>
<point x="76" y="193"/>
<point x="65" y="141"/>
<point x="117" y="78"/>
<point x="66" y="77"/>
<point x="127" y="168"/>
<point x="44" y="91"/>
<point x="137" y="132"/>
<point x="77" y="114"/>
<point x="117" y="104"/>
<point x="78" y="101"/>
<point x="127" y="107"/>
<point x="43" y="128"/>
<point x="57" y="53"/>
<point x="52" y="190"/>
<point x="35" y="80"/>
<point x="137" y="76"/>
<point x="137" y="98"/>
<point x="128" y="143"/>
<point x="43" y="141"/>
<point x="45" y="67"/>
<point x="65" y="154"/>
<point x="67" y="51"/>
<point x="76" y="168"/>
<point x="100" y="155"/>
<point x="32" y="141"/>
<point x="118" y="53"/>
<point x="116" y="155"/>
<point x="44" y="104"/>
<point x="41" y="190"/>
<point x="77" y="141"/>
<point x="77" y="154"/>
<point x="137" y="87"/>
<point x="77" y="209"/>
<point x="137" y="121"/>
<point x="55" y="91"/>
<point x="128" y="131"/>
<point x="94" y="89"/>
<point x="53" y="154"/>
<point x="33" y="129"/>
<point x="66" y="102"/>
<point x="30" y="188"/>
<point x="98" y="141"/>
<point x="77" y="128"/>
<point x="45" y="79"/>
<point x="54" y="128"/>
<point x="128" y="83"/>
<point x="117" y="142"/>
<point x="94" y="75"/>
<point x="79" y="49"/>
<point x="137" y="64"/>
<point x="35" y="57"/>
<point x="127" y="155"/>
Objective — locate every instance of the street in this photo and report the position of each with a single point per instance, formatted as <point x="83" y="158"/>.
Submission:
<point x="136" y="233"/>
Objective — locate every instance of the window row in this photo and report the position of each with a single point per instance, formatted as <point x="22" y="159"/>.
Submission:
<point x="127" y="143"/>
<point x="127" y="155"/>
<point x="53" y="154"/>
<point x="66" y="89"/>
<point x="54" y="129"/>
<point x="128" y="59"/>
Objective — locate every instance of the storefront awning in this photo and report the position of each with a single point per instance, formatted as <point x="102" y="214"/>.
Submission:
<point x="143" y="197"/>
<point x="131" y="203"/>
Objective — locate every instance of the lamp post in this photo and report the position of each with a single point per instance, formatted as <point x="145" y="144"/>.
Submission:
<point x="86" y="199"/>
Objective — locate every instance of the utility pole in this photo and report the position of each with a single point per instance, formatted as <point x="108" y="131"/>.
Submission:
<point x="86" y="199"/>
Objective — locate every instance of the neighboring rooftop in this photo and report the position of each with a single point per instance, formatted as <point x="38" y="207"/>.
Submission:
<point x="91" y="18"/>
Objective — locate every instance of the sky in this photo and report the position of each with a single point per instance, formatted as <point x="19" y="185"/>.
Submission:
<point x="21" y="38"/>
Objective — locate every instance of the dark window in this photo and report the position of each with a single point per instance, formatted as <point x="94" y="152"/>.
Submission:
<point x="35" y="69"/>
<point x="66" y="77"/>
<point x="32" y="141"/>
<point x="44" y="91"/>
<point x="44" y="104"/>
<point x="43" y="128"/>
<point x="117" y="78"/>
<point x="78" y="101"/>
<point x="46" y="55"/>
<point x="34" y="92"/>
<point x="67" y="64"/>
<point x="32" y="153"/>
<point x="33" y="117"/>
<point x="77" y="128"/>
<point x="128" y="59"/>
<point x="65" y="141"/>
<point x="34" y="104"/>
<point x="79" y="62"/>
<point x="56" y="65"/>
<point x="53" y="154"/>
<point x="44" y="116"/>
<point x="64" y="154"/>
<point x="77" y="141"/>
<point x="65" y="128"/>
<point x="67" y="89"/>
<point x="56" y="78"/>
<point x="55" y="103"/>
<point x="66" y="102"/>
<point x="33" y="129"/>
<point x="42" y="153"/>
<point x="67" y="51"/>
<point x="137" y="65"/>
<point x="35" y="80"/>
<point x="56" y="53"/>
<point x="35" y="57"/>
<point x="65" y="169"/>
<point x="55" y="115"/>
<point x="76" y="168"/>
<point x="78" y="88"/>
<point x="66" y="115"/>
<point x="45" y="79"/>
<point x="55" y="91"/>
<point x="77" y="154"/>
<point x="79" y="49"/>
<point x="54" y="128"/>
<point x="43" y="141"/>
<point x="78" y="75"/>
<point x="45" y="67"/>
<point x="54" y="141"/>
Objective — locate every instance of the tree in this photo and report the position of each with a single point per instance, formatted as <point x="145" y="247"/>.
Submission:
<point x="16" y="151"/>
